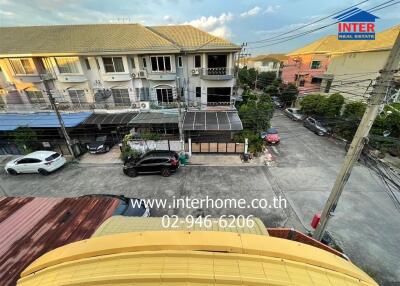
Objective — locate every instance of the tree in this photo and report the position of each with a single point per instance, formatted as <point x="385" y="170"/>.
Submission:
<point x="331" y="106"/>
<point x="289" y="93"/>
<point x="243" y="76"/>
<point x="311" y="104"/>
<point x="265" y="79"/>
<point x="354" y="110"/>
<point x="26" y="139"/>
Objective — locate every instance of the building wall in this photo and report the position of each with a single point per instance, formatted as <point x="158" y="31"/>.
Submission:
<point x="301" y="66"/>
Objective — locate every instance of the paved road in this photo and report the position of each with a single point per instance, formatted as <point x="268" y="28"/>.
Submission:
<point x="366" y="223"/>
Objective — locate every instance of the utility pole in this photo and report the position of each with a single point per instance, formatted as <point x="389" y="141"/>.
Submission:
<point x="377" y="96"/>
<point x="45" y="80"/>
<point x="180" y="119"/>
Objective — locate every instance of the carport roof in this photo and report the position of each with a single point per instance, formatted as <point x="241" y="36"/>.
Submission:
<point x="212" y="121"/>
<point x="11" y="121"/>
<point x="155" y="118"/>
<point x="110" y="118"/>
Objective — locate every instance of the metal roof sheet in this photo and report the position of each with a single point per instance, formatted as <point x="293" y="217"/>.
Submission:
<point x="11" y="121"/>
<point x="30" y="227"/>
<point x="154" y="118"/>
<point x="211" y="258"/>
<point x="110" y="118"/>
<point x="212" y="121"/>
<point x="121" y="224"/>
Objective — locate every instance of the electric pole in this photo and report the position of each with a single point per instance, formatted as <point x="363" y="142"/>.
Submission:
<point x="60" y="120"/>
<point x="180" y="119"/>
<point x="377" y="96"/>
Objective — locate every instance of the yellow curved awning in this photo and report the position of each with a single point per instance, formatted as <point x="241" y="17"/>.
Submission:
<point x="178" y="258"/>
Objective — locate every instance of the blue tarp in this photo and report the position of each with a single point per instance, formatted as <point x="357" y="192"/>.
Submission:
<point x="11" y="121"/>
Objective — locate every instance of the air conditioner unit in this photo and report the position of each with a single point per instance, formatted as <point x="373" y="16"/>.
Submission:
<point x="195" y="71"/>
<point x="142" y="74"/>
<point x="144" y="105"/>
<point x="135" y="105"/>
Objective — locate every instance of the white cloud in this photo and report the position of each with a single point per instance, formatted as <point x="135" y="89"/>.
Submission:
<point x="167" y="18"/>
<point x="252" y="12"/>
<point x="211" y="22"/>
<point x="271" y="9"/>
<point x="7" y="13"/>
<point x="222" y="32"/>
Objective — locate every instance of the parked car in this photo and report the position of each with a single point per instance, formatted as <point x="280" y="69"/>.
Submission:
<point x="160" y="161"/>
<point x="271" y="136"/>
<point x="101" y="144"/>
<point x="294" y="114"/>
<point x="315" y="126"/>
<point x="42" y="162"/>
<point x="278" y="103"/>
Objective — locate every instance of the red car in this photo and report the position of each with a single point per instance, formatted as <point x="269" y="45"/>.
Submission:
<point x="271" y="136"/>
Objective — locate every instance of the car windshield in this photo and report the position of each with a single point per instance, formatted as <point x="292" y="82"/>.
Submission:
<point x="101" y="138"/>
<point x="297" y="111"/>
<point x="52" y="157"/>
<point x="272" y="131"/>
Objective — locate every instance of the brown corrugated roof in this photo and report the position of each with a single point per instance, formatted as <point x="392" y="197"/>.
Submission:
<point x="30" y="227"/>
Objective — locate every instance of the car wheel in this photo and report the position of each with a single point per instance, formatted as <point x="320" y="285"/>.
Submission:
<point x="12" y="172"/>
<point x="43" y="172"/>
<point x="165" y="172"/>
<point x="131" y="173"/>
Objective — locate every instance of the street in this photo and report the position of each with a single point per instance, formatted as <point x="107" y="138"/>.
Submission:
<point x="365" y="224"/>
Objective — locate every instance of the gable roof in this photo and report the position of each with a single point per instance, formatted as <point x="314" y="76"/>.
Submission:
<point x="105" y="38"/>
<point x="356" y="15"/>
<point x="189" y="38"/>
<point x="270" y="57"/>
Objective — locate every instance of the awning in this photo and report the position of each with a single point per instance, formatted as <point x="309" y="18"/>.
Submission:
<point x="212" y="121"/>
<point x="155" y="118"/>
<point x="11" y="121"/>
<point x="110" y="118"/>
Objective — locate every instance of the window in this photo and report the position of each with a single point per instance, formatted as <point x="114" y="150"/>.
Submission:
<point x="328" y="85"/>
<point x="275" y="65"/>
<point x="164" y="95"/>
<point x="161" y="63"/>
<point x="77" y="96"/>
<point x="198" y="91"/>
<point x="28" y="161"/>
<point x="197" y="61"/>
<point x="113" y="64"/>
<point x="144" y="63"/>
<point x="133" y="63"/>
<point x="143" y="93"/>
<point x="67" y="65"/>
<point x="296" y="77"/>
<point x="315" y="65"/>
<point x="180" y="62"/>
<point x="302" y="82"/>
<point x="35" y="96"/>
<point x="22" y="66"/>
<point x="87" y="64"/>
<point x="121" y="97"/>
<point x="52" y="157"/>
<point x="316" y="80"/>
<point x="97" y="63"/>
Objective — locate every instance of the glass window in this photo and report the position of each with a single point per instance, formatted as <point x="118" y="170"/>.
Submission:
<point x="161" y="63"/>
<point x="302" y="82"/>
<point x="315" y="65"/>
<point x="35" y="96"/>
<point x="22" y="66"/>
<point x="180" y="62"/>
<point x="113" y="64"/>
<point x="67" y="65"/>
<point x="164" y="95"/>
<point x="197" y="61"/>
<point x="144" y="63"/>
<point x="121" y="97"/>
<point x="198" y="91"/>
<point x="77" y="96"/>
<point x="87" y="63"/>
<point x="133" y="63"/>
<point x="144" y="93"/>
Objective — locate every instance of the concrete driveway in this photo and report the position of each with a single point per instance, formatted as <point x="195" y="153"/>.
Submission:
<point x="366" y="223"/>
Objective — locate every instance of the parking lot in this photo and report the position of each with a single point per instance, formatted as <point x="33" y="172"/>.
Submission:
<point x="365" y="223"/>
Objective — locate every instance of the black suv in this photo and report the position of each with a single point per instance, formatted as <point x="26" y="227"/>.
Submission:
<point x="163" y="162"/>
<point x="101" y="144"/>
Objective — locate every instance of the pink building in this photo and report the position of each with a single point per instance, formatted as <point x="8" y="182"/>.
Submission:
<point x="305" y="66"/>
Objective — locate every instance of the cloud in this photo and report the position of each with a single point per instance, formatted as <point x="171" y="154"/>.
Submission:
<point x="222" y="32"/>
<point x="211" y="22"/>
<point x="271" y="9"/>
<point x="167" y="18"/>
<point x="7" y="13"/>
<point x="252" y="12"/>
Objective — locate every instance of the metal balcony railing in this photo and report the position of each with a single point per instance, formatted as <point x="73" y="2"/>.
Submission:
<point x="217" y="71"/>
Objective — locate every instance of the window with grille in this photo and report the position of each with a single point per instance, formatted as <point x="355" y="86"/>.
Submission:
<point x="198" y="91"/>
<point x="22" y="66"/>
<point x="77" y="96"/>
<point x="121" y="97"/>
<point x="144" y="93"/>
<point x="315" y="65"/>
<point x="35" y="96"/>
<point x="160" y="63"/>
<point x="164" y="95"/>
<point x="67" y="65"/>
<point x="113" y="64"/>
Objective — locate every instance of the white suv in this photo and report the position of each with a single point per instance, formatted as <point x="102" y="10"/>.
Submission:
<point x="42" y="162"/>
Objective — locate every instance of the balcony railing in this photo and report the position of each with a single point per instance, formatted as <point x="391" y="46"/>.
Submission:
<point x="221" y="73"/>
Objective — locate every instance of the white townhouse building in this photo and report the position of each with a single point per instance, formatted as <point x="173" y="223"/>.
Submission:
<point x="114" y="66"/>
<point x="265" y="63"/>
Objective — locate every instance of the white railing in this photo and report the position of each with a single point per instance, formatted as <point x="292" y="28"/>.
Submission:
<point x="217" y="71"/>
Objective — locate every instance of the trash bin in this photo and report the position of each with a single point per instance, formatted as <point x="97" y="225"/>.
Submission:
<point x="183" y="159"/>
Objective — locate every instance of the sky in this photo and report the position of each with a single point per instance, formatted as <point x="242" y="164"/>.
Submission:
<point x="237" y="20"/>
